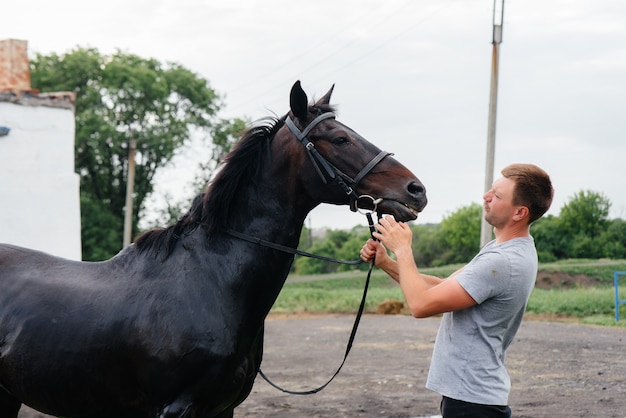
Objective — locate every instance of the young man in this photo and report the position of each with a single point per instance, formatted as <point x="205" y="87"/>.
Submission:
<point x="483" y="303"/>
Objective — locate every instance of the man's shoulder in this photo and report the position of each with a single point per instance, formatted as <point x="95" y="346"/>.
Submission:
<point x="514" y="245"/>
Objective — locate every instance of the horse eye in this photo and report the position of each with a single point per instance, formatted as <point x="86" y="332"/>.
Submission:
<point x="340" y="140"/>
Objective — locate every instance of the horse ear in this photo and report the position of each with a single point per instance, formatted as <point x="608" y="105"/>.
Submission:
<point x="325" y="99"/>
<point x="298" y="101"/>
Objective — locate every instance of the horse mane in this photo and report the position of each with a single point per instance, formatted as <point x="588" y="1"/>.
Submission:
<point x="241" y="165"/>
<point x="212" y="209"/>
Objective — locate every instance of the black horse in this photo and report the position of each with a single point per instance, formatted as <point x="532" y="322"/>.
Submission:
<point x="172" y="326"/>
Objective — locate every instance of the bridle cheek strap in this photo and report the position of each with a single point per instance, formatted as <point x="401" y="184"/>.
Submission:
<point x="327" y="169"/>
<point x="315" y="157"/>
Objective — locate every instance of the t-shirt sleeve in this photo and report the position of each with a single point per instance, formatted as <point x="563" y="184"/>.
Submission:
<point x="485" y="276"/>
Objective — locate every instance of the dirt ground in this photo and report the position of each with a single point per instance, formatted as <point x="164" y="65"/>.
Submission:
<point x="557" y="369"/>
<point x="558" y="279"/>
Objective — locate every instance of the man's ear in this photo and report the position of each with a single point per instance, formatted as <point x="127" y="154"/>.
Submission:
<point x="522" y="212"/>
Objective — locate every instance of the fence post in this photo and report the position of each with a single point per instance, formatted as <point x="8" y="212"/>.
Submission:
<point x="618" y="301"/>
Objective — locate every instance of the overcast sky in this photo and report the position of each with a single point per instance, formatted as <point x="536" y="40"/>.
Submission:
<point x="411" y="76"/>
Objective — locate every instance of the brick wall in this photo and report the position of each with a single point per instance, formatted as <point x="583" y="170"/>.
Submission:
<point x="14" y="66"/>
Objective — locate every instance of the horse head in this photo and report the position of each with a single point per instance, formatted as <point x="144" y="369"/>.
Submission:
<point x="341" y="167"/>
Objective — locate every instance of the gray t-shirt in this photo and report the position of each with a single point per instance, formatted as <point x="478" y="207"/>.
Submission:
<point x="468" y="358"/>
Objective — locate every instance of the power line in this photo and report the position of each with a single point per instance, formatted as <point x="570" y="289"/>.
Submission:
<point x="381" y="45"/>
<point x="343" y="47"/>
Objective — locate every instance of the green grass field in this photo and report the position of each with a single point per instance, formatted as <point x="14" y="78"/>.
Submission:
<point x="342" y="292"/>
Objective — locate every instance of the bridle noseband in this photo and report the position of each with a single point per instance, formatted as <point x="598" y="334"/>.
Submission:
<point x="326" y="169"/>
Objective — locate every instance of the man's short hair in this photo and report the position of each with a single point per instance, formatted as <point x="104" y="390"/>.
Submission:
<point x="533" y="188"/>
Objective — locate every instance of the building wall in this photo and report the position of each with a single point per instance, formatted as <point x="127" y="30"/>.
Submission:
<point x="39" y="190"/>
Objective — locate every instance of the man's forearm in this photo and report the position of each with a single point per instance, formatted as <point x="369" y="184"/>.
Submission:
<point x="390" y="266"/>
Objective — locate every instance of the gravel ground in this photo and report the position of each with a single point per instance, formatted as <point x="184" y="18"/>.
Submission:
<point x="557" y="369"/>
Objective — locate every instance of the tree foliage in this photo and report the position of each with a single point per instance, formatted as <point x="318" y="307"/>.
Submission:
<point x="460" y="233"/>
<point x="428" y="245"/>
<point x="548" y="239"/>
<point x="122" y="98"/>
<point x="582" y="230"/>
<point x="586" y="213"/>
<point x="339" y="244"/>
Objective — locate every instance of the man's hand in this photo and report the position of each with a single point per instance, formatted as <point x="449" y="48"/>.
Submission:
<point x="370" y="249"/>
<point x="395" y="236"/>
<point x="373" y="249"/>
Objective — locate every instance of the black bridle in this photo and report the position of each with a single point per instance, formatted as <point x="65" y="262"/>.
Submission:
<point x="325" y="168"/>
<point x="348" y="185"/>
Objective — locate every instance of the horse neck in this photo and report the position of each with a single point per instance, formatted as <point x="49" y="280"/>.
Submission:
<point x="272" y="213"/>
<point x="260" y="271"/>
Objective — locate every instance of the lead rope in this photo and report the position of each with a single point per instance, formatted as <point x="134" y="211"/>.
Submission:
<point x="352" y="333"/>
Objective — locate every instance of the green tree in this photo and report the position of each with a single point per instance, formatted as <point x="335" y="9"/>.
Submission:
<point x="587" y="213"/>
<point x="613" y="239"/>
<point x="308" y="265"/>
<point x="548" y="239"/>
<point x="351" y="247"/>
<point x="339" y="244"/>
<point x="460" y="234"/>
<point x="122" y="98"/>
<point x="581" y="221"/>
<point x="93" y="238"/>
<point x="427" y="245"/>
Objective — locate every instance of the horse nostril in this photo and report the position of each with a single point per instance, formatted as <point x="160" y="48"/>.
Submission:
<point x="416" y="188"/>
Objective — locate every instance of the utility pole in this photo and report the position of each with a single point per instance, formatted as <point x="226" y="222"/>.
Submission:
<point x="130" y="190"/>
<point x="486" y="230"/>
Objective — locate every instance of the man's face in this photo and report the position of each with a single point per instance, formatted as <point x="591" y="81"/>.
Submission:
<point x="498" y="202"/>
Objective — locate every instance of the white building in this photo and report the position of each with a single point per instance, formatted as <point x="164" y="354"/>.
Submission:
<point x="39" y="190"/>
